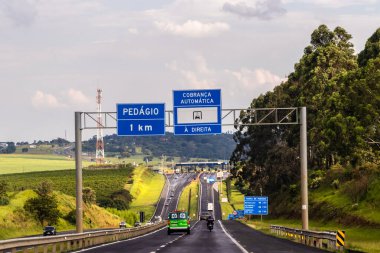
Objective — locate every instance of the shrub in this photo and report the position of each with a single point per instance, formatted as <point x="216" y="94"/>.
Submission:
<point x="357" y="189"/>
<point x="335" y="184"/>
<point x="89" y="195"/>
<point x="4" y="200"/>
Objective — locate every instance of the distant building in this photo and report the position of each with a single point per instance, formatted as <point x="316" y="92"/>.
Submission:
<point x="32" y="146"/>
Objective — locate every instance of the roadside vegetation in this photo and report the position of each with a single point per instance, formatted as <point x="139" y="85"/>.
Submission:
<point x="146" y="190"/>
<point x="341" y="91"/>
<point x="27" y="205"/>
<point x="190" y="193"/>
<point x="362" y="238"/>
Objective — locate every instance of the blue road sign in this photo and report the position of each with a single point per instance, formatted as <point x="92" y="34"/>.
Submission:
<point x="140" y="119"/>
<point x="197" y="112"/>
<point x="256" y="205"/>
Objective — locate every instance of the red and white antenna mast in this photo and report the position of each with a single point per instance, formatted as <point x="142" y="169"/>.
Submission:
<point x="99" y="136"/>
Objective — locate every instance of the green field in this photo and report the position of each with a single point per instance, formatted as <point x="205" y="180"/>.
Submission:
<point x="22" y="163"/>
<point x="104" y="182"/>
<point x="146" y="190"/>
<point x="183" y="203"/>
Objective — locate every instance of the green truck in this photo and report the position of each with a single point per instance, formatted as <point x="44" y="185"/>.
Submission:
<point x="178" y="221"/>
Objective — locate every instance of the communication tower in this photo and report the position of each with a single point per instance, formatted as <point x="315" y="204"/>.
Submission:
<point x="99" y="136"/>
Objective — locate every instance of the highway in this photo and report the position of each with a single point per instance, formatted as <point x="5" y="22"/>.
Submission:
<point x="227" y="236"/>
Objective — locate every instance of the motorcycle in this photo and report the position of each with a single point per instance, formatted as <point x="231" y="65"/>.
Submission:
<point x="210" y="226"/>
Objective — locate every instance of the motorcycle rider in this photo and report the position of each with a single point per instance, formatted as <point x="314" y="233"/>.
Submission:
<point x="210" y="221"/>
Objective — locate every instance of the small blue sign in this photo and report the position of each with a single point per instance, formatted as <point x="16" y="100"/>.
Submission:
<point x="140" y="119"/>
<point x="197" y="112"/>
<point x="256" y="205"/>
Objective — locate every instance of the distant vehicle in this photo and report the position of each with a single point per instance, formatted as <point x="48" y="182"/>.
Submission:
<point x="178" y="221"/>
<point x="157" y="218"/>
<point x="177" y="170"/>
<point x="167" y="203"/>
<point x="172" y="194"/>
<point x="123" y="224"/>
<point x="137" y="224"/>
<point x="204" y="215"/>
<point x="149" y="223"/>
<point x="49" y="230"/>
<point x="210" y="206"/>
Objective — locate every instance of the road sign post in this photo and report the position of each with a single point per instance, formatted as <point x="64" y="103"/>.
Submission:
<point x="140" y="119"/>
<point x="197" y="112"/>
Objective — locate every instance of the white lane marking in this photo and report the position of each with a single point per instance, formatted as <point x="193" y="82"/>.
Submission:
<point x="233" y="239"/>
<point x="111" y="243"/>
<point x="167" y="194"/>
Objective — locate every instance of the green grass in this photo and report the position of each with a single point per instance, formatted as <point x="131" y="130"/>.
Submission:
<point x="22" y="163"/>
<point x="225" y="206"/>
<point x="14" y="222"/>
<point x="146" y="190"/>
<point x="183" y="203"/>
<point x="357" y="238"/>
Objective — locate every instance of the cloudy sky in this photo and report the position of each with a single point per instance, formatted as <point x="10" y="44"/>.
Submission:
<point x="54" y="54"/>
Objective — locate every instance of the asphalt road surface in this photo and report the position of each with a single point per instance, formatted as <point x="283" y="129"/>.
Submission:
<point x="226" y="237"/>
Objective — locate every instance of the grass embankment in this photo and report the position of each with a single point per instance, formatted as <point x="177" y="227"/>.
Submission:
<point x="183" y="203"/>
<point x="146" y="190"/>
<point x="22" y="163"/>
<point x="235" y="200"/>
<point x="357" y="238"/>
<point x="15" y="222"/>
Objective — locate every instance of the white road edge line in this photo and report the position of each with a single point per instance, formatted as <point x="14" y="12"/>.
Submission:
<point x="111" y="243"/>
<point x="233" y="239"/>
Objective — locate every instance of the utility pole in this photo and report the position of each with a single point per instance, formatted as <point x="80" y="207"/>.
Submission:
<point x="303" y="155"/>
<point x="78" y="169"/>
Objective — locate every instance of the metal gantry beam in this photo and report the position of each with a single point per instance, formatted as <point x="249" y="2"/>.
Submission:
<point x="230" y="117"/>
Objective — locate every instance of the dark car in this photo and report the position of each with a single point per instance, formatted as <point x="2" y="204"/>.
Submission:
<point x="137" y="224"/>
<point x="204" y="215"/>
<point x="49" y="230"/>
<point x="123" y="224"/>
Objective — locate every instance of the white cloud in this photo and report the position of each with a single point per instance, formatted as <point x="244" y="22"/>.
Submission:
<point x="77" y="97"/>
<point x="45" y="100"/>
<point x="193" y="28"/>
<point x="263" y="9"/>
<point x="133" y="30"/>
<point x="259" y="80"/>
<point x="20" y="13"/>
<point x="72" y="97"/>
<point x="334" y="3"/>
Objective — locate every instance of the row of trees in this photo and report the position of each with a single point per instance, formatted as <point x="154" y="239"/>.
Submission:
<point x="205" y="146"/>
<point x="341" y="91"/>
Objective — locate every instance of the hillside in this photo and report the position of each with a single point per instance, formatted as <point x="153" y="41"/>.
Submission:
<point x="205" y="146"/>
<point x="15" y="222"/>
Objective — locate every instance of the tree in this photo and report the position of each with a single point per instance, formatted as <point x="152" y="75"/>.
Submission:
<point x="44" y="207"/>
<point x="4" y="200"/>
<point x="371" y="50"/>
<point x="89" y="195"/>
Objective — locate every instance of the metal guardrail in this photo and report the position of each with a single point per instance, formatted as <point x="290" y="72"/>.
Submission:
<point x="318" y="239"/>
<point x="73" y="242"/>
